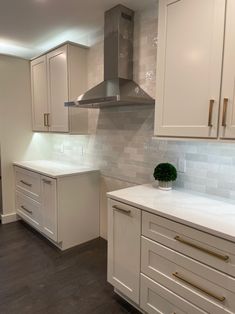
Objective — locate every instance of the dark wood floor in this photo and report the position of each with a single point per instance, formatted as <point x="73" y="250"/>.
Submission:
<point x="37" y="278"/>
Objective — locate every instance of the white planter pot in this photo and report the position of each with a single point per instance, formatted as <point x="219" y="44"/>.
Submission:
<point x="165" y="185"/>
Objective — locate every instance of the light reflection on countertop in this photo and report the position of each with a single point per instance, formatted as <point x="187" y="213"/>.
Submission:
<point x="53" y="168"/>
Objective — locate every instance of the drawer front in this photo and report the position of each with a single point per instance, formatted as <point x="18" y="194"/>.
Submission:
<point x="198" y="283"/>
<point x="29" y="210"/>
<point x="206" y="248"/>
<point x="157" y="299"/>
<point x="28" y="183"/>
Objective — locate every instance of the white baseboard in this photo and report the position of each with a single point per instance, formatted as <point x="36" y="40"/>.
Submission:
<point x="8" y="218"/>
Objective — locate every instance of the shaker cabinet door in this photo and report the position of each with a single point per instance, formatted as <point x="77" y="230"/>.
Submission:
<point x="57" y="69"/>
<point x="189" y="65"/>
<point x="124" y="227"/>
<point x="49" y="207"/>
<point x="39" y="94"/>
<point x="227" y="113"/>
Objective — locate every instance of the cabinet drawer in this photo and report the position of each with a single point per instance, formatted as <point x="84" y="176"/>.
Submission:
<point x="28" y="183"/>
<point x="156" y="299"/>
<point x="198" y="283"/>
<point x="29" y="210"/>
<point x="206" y="248"/>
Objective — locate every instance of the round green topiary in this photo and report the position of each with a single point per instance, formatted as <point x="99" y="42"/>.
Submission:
<point x="165" y="172"/>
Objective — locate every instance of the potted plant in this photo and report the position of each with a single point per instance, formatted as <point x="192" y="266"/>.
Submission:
<point x="165" y="173"/>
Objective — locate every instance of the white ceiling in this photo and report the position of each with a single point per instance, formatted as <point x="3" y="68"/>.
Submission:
<point x="31" y="27"/>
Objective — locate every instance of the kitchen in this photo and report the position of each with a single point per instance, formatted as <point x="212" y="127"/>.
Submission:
<point x="123" y="144"/>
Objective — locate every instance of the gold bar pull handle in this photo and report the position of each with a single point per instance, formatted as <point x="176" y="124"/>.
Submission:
<point x="27" y="210"/>
<point x="212" y="101"/>
<point x="26" y="183"/>
<point x="48" y="121"/>
<point x="46" y="181"/>
<point x="204" y="250"/>
<point x="224" y="117"/>
<point x="209" y="293"/>
<point x="122" y="210"/>
<point x="45" y="119"/>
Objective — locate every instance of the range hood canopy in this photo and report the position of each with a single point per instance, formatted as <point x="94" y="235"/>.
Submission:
<point x="118" y="87"/>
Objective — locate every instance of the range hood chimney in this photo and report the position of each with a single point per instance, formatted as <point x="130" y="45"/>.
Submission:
<point x="118" y="87"/>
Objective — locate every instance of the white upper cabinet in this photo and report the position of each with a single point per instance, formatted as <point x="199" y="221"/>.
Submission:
<point x="227" y="113"/>
<point x="39" y="93"/>
<point x="58" y="93"/>
<point x="58" y="77"/>
<point x="189" y="67"/>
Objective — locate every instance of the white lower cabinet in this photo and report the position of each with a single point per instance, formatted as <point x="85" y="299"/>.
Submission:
<point x="164" y="267"/>
<point x="64" y="209"/>
<point x="124" y="229"/>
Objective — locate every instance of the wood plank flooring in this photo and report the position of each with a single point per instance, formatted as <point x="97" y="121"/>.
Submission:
<point x="37" y="278"/>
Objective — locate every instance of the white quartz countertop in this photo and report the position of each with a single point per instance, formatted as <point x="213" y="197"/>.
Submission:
<point x="210" y="214"/>
<point x="54" y="169"/>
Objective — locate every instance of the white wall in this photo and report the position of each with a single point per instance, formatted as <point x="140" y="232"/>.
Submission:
<point x="0" y="185"/>
<point x="15" y="125"/>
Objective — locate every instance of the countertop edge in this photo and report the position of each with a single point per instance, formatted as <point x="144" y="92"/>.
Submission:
<point x="174" y="218"/>
<point x="47" y="174"/>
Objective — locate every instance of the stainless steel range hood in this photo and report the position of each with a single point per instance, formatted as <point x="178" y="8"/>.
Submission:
<point x="118" y="87"/>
